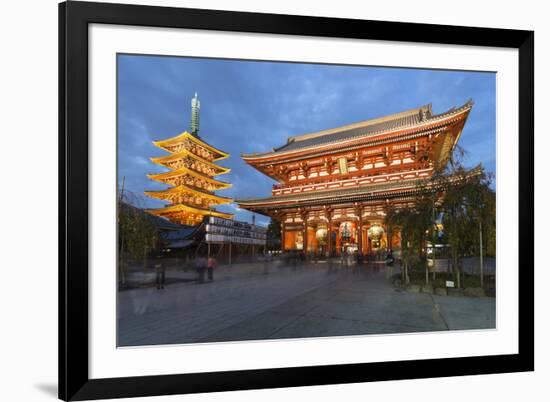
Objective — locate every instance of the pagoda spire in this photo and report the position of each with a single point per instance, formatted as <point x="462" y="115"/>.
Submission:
<point x="195" y="115"/>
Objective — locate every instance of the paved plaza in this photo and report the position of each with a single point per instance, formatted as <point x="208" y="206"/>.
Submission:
<point x="275" y="300"/>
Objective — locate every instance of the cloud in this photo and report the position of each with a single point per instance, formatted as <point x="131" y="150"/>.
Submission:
<point x="255" y="106"/>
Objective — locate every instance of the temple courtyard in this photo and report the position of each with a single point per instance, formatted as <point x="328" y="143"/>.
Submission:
<point x="274" y="300"/>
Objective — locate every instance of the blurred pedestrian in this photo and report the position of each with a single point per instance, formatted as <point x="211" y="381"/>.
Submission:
<point x="160" y="270"/>
<point x="267" y="260"/>
<point x="201" y="265"/>
<point x="212" y="263"/>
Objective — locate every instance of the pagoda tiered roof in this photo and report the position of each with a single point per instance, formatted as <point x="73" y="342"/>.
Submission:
<point x="187" y="213"/>
<point x="172" y="193"/>
<point x="191" y="179"/>
<point x="178" y="159"/>
<point x="180" y="141"/>
<point x="172" y="176"/>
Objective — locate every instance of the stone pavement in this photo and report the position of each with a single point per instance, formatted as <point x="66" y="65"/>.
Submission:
<point x="274" y="301"/>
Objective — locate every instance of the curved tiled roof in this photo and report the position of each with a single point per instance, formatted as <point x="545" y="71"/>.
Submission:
<point x="194" y="138"/>
<point x="184" y="171"/>
<point x="162" y="160"/>
<point x="341" y="194"/>
<point x="182" y="188"/>
<point x="365" y="128"/>
<point x="182" y="207"/>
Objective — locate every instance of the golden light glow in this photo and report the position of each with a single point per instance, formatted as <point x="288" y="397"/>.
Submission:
<point x="171" y="192"/>
<point x="169" y="160"/>
<point x="165" y="177"/>
<point x="187" y="209"/>
<point x="187" y="214"/>
<point x="191" y="177"/>
<point x="180" y="140"/>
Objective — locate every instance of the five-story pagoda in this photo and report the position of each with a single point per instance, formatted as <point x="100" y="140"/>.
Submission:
<point x="191" y="176"/>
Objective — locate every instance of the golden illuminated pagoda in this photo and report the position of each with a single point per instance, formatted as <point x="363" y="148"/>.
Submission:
<point x="191" y="175"/>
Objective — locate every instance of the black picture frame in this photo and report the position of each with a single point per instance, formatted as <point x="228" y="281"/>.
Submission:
<point x="74" y="19"/>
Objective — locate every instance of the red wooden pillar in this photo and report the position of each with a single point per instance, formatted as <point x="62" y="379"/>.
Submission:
<point x="283" y="234"/>
<point x="329" y="232"/>
<point x="305" y="232"/>
<point x="368" y="242"/>
<point x="360" y="231"/>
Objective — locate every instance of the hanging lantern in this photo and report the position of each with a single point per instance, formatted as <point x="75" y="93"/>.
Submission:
<point x="299" y="241"/>
<point x="346" y="231"/>
<point x="375" y="232"/>
<point x="321" y="235"/>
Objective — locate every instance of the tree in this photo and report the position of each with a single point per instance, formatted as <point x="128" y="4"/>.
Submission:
<point x="489" y="222"/>
<point x="137" y="235"/>
<point x="274" y="232"/>
<point x="413" y="222"/>
<point x="468" y="204"/>
<point x="391" y="223"/>
<point x="480" y="204"/>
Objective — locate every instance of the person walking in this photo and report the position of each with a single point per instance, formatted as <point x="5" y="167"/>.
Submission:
<point x="389" y="258"/>
<point x="211" y="265"/>
<point x="160" y="270"/>
<point x="200" y="266"/>
<point x="389" y="264"/>
<point x="267" y="260"/>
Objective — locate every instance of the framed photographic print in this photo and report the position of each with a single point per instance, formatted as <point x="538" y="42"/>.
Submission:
<point x="258" y="200"/>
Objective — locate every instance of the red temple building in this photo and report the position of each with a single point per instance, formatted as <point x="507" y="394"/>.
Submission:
<point x="335" y="186"/>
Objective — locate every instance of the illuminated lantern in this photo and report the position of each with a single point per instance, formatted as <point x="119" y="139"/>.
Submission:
<point x="346" y="231"/>
<point x="299" y="241"/>
<point x="375" y="233"/>
<point x="321" y="235"/>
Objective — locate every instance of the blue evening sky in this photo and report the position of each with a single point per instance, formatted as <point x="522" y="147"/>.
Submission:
<point x="251" y="106"/>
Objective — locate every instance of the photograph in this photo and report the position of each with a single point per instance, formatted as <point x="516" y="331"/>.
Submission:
<point x="275" y="201"/>
<point x="269" y="199"/>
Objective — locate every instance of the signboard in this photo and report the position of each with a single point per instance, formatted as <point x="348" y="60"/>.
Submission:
<point x="450" y="284"/>
<point x="220" y="230"/>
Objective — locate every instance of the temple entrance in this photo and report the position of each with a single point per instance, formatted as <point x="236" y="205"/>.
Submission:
<point x="343" y="237"/>
<point x="347" y="238"/>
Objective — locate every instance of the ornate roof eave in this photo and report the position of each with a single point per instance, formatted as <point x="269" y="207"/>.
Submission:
<point x="347" y="148"/>
<point x="186" y="208"/>
<point x="162" y="160"/>
<point x="325" y="195"/>
<point x="186" y="135"/>
<point x="164" y="194"/>
<point x="334" y="201"/>
<point x="431" y="121"/>
<point x="362" y="193"/>
<point x="161" y="177"/>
